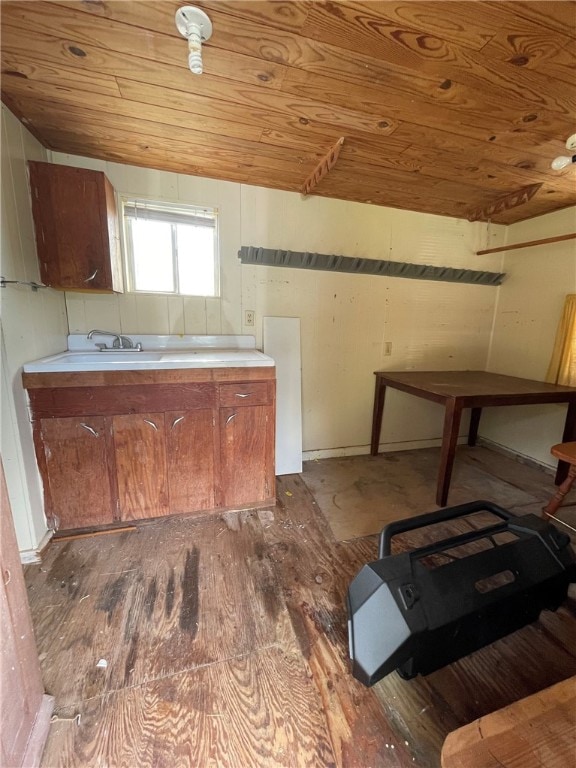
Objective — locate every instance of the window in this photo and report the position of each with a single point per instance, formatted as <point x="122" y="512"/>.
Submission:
<point x="171" y="248"/>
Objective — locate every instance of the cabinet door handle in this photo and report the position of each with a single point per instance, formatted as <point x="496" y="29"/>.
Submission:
<point x="229" y="419"/>
<point x="92" y="276"/>
<point x="90" y="429"/>
<point x="152" y="424"/>
<point x="243" y="394"/>
<point x="176" y="421"/>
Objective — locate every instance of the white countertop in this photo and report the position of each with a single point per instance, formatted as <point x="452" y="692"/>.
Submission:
<point x="158" y="352"/>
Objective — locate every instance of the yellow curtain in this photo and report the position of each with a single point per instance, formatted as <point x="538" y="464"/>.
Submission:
<point x="562" y="368"/>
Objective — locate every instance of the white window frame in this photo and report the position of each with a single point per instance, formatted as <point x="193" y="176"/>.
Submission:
<point x="173" y="211"/>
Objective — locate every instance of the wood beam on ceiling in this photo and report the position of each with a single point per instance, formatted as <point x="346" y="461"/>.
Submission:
<point x="323" y="168"/>
<point x="504" y="203"/>
<point x="528" y="244"/>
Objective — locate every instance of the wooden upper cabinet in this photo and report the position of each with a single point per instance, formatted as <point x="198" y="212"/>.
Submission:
<point x="77" y="228"/>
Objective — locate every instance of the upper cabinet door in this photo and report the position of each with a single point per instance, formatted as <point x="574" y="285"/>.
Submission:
<point x="77" y="229"/>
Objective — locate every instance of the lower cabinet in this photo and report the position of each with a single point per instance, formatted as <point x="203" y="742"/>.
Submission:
<point x="190" y="437"/>
<point x="149" y="462"/>
<point x="77" y="477"/>
<point x="140" y="457"/>
<point x="244" y="446"/>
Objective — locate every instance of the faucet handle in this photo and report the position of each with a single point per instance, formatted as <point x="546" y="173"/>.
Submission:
<point x="125" y="342"/>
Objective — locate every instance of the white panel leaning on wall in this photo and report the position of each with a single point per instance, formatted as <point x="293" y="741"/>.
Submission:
<point x="281" y="337"/>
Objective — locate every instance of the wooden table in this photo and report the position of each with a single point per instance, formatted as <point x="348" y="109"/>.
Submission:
<point x="536" y="732"/>
<point x="457" y="390"/>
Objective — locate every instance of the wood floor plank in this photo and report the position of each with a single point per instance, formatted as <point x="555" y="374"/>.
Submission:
<point x="315" y="573"/>
<point x="226" y="642"/>
<point x="260" y="709"/>
<point x="361" y="494"/>
<point x="209" y="597"/>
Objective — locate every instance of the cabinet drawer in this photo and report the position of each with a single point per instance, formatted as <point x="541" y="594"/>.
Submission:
<point x="245" y="393"/>
<point x="120" y="399"/>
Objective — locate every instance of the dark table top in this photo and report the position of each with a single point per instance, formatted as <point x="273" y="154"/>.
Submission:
<point x="474" y="385"/>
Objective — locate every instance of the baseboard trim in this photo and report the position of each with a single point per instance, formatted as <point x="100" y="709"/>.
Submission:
<point x="34" y="556"/>
<point x="39" y="733"/>
<point x="362" y="450"/>
<point x="521" y="458"/>
<point x="409" y="445"/>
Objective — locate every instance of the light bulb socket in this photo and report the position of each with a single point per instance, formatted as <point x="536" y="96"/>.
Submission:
<point x="196" y="27"/>
<point x="562" y="162"/>
<point x="188" y="18"/>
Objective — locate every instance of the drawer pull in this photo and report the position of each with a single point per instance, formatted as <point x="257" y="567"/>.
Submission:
<point x="90" y="429"/>
<point x="147" y="421"/>
<point x="92" y="276"/>
<point x="176" y="421"/>
<point x="229" y="419"/>
<point x="242" y="394"/>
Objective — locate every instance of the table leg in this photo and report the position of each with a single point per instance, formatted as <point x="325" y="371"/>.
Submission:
<point x="379" y="395"/>
<point x="568" y="436"/>
<point x="452" y="417"/>
<point x="474" y="424"/>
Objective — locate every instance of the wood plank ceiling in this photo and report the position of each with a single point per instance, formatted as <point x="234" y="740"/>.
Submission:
<point x="445" y="107"/>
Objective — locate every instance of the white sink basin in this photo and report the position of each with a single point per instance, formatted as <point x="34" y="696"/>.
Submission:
<point x="119" y="357"/>
<point x="155" y="359"/>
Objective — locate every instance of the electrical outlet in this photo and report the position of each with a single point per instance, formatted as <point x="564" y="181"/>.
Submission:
<point x="249" y="317"/>
<point x="387" y="348"/>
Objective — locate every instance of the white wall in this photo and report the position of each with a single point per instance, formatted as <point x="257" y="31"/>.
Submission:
<point x="529" y="306"/>
<point x="345" y="318"/>
<point x="33" y="324"/>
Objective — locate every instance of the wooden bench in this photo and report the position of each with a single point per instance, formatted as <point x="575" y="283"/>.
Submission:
<point x="536" y="732"/>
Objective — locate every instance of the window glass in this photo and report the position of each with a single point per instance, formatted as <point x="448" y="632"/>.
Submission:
<point x="171" y="248"/>
<point x="196" y="259"/>
<point x="152" y="253"/>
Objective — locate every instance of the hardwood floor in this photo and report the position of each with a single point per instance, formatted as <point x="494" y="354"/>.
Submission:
<point x="223" y="642"/>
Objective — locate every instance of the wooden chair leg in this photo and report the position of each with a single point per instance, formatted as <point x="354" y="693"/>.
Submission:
<point x="556" y="500"/>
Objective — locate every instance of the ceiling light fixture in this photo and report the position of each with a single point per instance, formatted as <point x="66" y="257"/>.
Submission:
<point x="562" y="162"/>
<point x="194" y="24"/>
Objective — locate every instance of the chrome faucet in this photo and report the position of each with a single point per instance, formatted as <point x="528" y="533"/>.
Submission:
<point x="120" y="342"/>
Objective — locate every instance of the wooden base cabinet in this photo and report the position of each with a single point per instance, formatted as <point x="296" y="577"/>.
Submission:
<point x="245" y="436"/>
<point x="190" y="439"/>
<point x="140" y="453"/>
<point x="74" y="454"/>
<point x="111" y="454"/>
